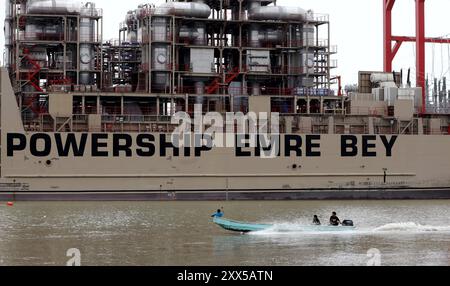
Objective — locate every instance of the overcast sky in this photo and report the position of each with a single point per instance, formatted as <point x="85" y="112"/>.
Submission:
<point x="356" y="28"/>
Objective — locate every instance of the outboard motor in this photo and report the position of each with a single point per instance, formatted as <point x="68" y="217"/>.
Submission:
<point x="347" y="222"/>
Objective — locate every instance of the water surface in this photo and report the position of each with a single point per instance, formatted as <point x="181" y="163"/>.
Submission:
<point x="181" y="233"/>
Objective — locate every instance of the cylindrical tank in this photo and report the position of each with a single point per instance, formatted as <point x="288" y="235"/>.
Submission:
<point x="160" y="29"/>
<point x="87" y="25"/>
<point x="53" y="6"/>
<point x="160" y="53"/>
<point x="309" y="35"/>
<point x="258" y="12"/>
<point x="381" y="77"/>
<point x="185" y="9"/>
<point x="86" y="57"/>
<point x="160" y="57"/>
<point x="8" y="32"/>
<point x="160" y="81"/>
<point x="277" y="13"/>
<point x="307" y="61"/>
<point x="87" y="35"/>
<point x="86" y="63"/>
<point x="7" y="8"/>
<point x="160" y="61"/>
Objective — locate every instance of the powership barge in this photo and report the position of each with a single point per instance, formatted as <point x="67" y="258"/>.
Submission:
<point x="87" y="119"/>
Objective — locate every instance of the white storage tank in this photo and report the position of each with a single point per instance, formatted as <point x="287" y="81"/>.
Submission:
<point x="53" y="6"/>
<point x="381" y="77"/>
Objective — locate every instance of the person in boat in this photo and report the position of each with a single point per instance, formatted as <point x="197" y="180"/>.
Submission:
<point x="334" y="220"/>
<point x="316" y="220"/>
<point x="218" y="214"/>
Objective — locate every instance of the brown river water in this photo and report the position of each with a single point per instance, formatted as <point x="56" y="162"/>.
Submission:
<point x="182" y="234"/>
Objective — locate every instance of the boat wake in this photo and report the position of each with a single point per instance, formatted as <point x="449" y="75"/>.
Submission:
<point x="402" y="227"/>
<point x="411" y="227"/>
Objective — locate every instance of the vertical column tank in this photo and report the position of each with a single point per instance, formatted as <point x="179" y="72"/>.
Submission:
<point x="87" y="39"/>
<point x="8" y="38"/>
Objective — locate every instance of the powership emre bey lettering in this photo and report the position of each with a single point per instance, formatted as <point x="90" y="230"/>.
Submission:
<point x="86" y="117"/>
<point x="144" y="145"/>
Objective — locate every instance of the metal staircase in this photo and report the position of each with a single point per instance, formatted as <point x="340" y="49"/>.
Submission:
<point x="33" y="80"/>
<point x="216" y="83"/>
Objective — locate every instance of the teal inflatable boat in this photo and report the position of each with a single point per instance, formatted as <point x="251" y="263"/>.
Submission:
<point x="245" y="227"/>
<point x="239" y="226"/>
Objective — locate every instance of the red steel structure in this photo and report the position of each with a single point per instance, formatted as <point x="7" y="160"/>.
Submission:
<point x="420" y="40"/>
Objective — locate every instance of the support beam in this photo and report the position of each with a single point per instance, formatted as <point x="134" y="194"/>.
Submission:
<point x="419" y="39"/>
<point x="397" y="46"/>
<point x="427" y="40"/>
<point x="387" y="35"/>
<point x="420" y="49"/>
<point x="390" y="4"/>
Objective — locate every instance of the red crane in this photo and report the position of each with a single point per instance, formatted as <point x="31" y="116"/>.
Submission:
<point x="419" y="39"/>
